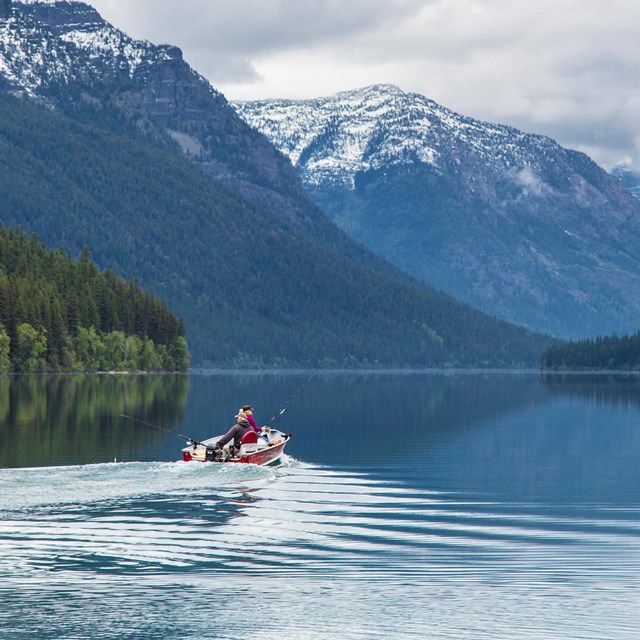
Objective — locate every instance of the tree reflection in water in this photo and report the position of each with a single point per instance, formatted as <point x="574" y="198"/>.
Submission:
<point x="71" y="419"/>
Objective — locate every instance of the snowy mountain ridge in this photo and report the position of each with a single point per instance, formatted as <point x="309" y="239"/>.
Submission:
<point x="508" y="222"/>
<point x="629" y="177"/>
<point x="46" y="43"/>
<point x="63" y="54"/>
<point x="331" y="139"/>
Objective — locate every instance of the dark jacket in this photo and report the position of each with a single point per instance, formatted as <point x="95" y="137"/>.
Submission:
<point x="236" y="432"/>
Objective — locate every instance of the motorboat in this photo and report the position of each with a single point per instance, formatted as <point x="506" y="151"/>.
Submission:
<point x="265" y="448"/>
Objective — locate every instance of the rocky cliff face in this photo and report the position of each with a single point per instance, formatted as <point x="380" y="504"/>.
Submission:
<point x="509" y="222"/>
<point x="64" y="53"/>
<point x="63" y="16"/>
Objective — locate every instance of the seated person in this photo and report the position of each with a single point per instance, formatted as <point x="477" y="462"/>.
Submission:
<point x="236" y="432"/>
<point x="248" y="412"/>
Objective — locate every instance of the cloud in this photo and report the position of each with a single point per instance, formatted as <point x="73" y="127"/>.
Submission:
<point x="531" y="184"/>
<point x="254" y="27"/>
<point x="564" y="68"/>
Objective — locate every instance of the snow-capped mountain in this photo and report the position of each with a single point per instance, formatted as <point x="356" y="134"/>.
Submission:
<point x="507" y="221"/>
<point x="52" y="43"/>
<point x="332" y="140"/>
<point x="63" y="53"/>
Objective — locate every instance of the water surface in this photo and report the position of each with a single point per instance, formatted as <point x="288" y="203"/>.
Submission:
<point x="412" y="505"/>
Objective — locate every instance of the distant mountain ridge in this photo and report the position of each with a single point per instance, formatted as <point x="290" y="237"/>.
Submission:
<point x="509" y="222"/>
<point x="118" y="144"/>
<point x="629" y="178"/>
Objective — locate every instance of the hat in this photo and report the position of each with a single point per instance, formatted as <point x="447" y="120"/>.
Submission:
<point x="247" y="407"/>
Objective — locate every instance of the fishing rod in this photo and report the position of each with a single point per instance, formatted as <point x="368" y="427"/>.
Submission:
<point x="155" y="426"/>
<point x="284" y="406"/>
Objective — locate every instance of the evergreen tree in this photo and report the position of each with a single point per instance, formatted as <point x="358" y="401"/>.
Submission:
<point x="31" y="348"/>
<point x="59" y="315"/>
<point x="605" y="352"/>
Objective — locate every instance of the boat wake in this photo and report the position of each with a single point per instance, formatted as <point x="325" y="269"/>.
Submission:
<point x="29" y="488"/>
<point x="172" y="536"/>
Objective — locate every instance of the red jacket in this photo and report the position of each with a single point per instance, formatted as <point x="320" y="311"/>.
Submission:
<point x="252" y="422"/>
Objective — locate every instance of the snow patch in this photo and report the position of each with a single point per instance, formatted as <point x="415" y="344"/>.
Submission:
<point x="189" y="145"/>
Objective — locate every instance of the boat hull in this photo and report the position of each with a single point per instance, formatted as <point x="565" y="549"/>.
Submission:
<point x="268" y="453"/>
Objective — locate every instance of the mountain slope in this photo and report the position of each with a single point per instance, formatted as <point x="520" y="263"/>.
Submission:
<point x="247" y="288"/>
<point x="144" y="162"/>
<point x="509" y="222"/>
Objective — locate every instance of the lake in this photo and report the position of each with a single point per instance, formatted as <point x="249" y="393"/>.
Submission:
<point x="433" y="505"/>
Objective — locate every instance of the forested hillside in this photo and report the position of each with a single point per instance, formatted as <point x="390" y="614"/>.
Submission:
<point x="253" y="289"/>
<point x="620" y="353"/>
<point x="57" y="314"/>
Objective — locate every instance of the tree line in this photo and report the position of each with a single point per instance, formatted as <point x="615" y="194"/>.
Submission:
<point x="57" y="314"/>
<point x="607" y="352"/>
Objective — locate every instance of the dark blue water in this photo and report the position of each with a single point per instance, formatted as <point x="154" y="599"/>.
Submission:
<point x="412" y="505"/>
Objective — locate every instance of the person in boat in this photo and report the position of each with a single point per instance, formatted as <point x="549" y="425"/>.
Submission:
<point x="248" y="412"/>
<point x="236" y="432"/>
<point x="261" y="431"/>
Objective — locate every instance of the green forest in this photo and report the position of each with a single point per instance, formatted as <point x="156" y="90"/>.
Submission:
<point x="620" y="353"/>
<point x="57" y="314"/>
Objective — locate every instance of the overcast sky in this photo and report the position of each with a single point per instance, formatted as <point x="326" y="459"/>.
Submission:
<point x="569" y="69"/>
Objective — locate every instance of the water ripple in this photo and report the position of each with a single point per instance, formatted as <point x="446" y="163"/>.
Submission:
<point x="297" y="519"/>
<point x="138" y="532"/>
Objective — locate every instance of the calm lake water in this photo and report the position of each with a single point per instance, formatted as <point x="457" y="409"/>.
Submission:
<point x="457" y="505"/>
